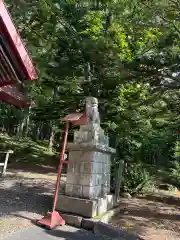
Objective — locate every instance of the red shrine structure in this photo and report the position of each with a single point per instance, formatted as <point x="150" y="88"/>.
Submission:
<point x="16" y="66"/>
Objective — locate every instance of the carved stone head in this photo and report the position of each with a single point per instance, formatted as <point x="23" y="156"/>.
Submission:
<point x="91" y="102"/>
<point x="92" y="112"/>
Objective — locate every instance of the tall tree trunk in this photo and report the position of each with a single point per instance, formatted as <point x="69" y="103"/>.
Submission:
<point x="51" y="138"/>
<point x="38" y="132"/>
<point x="28" y="121"/>
<point x="52" y="132"/>
<point x="21" y="127"/>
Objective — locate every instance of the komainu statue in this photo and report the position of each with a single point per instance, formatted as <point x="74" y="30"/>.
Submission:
<point x="92" y="112"/>
<point x="92" y="133"/>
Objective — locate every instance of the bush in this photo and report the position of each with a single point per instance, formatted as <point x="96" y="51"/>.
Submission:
<point x="174" y="175"/>
<point x="177" y="151"/>
<point x="136" y="179"/>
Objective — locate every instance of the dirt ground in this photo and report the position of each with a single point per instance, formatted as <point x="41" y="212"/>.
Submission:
<point x="152" y="220"/>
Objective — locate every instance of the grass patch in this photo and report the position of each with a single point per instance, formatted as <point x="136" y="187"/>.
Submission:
<point x="28" y="151"/>
<point x="98" y="217"/>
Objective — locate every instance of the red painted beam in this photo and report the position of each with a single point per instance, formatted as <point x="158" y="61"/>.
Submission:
<point x="8" y="29"/>
<point x="13" y="94"/>
<point x="15" y="63"/>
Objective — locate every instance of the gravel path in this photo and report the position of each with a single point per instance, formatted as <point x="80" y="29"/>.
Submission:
<point x="23" y="199"/>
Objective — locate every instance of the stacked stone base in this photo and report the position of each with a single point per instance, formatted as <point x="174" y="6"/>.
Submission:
<point x="88" y="182"/>
<point x="85" y="207"/>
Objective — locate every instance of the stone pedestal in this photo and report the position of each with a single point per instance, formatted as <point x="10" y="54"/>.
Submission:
<point x="88" y="174"/>
<point x="87" y="190"/>
<point x="85" y="207"/>
<point x="88" y="178"/>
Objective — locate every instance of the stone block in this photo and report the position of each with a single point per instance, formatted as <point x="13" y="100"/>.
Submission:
<point x="76" y="167"/>
<point x="79" y="179"/>
<point x="85" y="179"/>
<point x="108" y="189"/>
<point x="88" y="224"/>
<point x="99" y="167"/>
<point x="90" y="147"/>
<point x="90" y="192"/>
<point x="97" y="156"/>
<point x="104" y="168"/>
<point x="101" y="157"/>
<point x="72" y="205"/>
<point x="109" y="168"/>
<point x="77" y="191"/>
<point x="108" y="179"/>
<point x="72" y="220"/>
<point x="80" y="156"/>
<point x="69" y="189"/>
<point x="110" y="201"/>
<point x="70" y="168"/>
<point x="104" y="190"/>
<point x="86" y="167"/>
<point x="104" y="179"/>
<point x="93" y="181"/>
<point x="102" y="205"/>
<point x="71" y="178"/>
<point x="95" y="168"/>
<point x="96" y="180"/>
<point x="85" y="207"/>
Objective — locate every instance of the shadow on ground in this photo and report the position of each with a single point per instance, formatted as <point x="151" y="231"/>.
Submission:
<point x="60" y="233"/>
<point x="33" y="168"/>
<point x="26" y="197"/>
<point x="75" y="235"/>
<point x="163" y="198"/>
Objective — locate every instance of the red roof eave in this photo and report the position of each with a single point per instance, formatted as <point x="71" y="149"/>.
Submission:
<point x="17" y="44"/>
<point x="14" y="95"/>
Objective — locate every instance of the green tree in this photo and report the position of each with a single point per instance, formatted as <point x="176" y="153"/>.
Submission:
<point x="126" y="53"/>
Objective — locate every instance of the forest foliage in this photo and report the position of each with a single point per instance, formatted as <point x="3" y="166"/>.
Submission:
<point x="124" y="52"/>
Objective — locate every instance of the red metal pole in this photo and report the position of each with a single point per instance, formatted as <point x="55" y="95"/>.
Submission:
<point x="60" y="166"/>
<point x="54" y="219"/>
